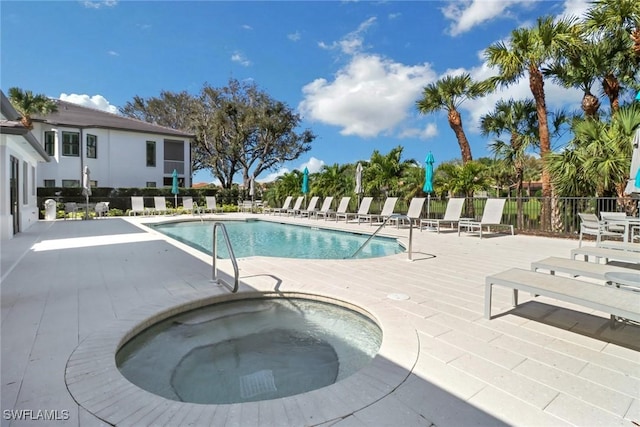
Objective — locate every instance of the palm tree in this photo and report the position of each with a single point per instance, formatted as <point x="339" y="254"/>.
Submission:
<point x="615" y="24"/>
<point x="462" y="179"/>
<point x="334" y="181"/>
<point x="448" y="94"/>
<point x="527" y="52"/>
<point x="28" y="104"/>
<point x="383" y="172"/>
<point x="518" y="119"/>
<point x="598" y="157"/>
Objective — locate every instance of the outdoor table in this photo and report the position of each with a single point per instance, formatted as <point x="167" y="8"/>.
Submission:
<point x="628" y="223"/>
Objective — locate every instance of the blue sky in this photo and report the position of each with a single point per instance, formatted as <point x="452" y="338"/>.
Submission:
<point x="353" y="69"/>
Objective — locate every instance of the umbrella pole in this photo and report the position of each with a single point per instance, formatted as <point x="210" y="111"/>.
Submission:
<point x="86" y="215"/>
<point x="429" y="228"/>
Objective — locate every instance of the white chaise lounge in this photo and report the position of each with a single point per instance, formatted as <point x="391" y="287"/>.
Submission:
<point x="491" y="217"/>
<point x="608" y="299"/>
<point x="451" y="215"/>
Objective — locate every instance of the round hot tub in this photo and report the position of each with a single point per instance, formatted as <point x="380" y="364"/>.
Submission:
<point x="250" y="350"/>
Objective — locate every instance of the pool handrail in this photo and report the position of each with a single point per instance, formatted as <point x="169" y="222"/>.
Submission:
<point x="232" y="256"/>
<point x="396" y="216"/>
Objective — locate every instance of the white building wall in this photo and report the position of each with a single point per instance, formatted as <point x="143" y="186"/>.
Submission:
<point x="121" y="158"/>
<point x="16" y="146"/>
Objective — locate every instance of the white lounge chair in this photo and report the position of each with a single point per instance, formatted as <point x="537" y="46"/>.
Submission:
<point x="101" y="209"/>
<point x="590" y="224"/>
<point x="137" y="206"/>
<point x="285" y="206"/>
<point x="491" y="217"/>
<point x="387" y="211"/>
<point x="414" y="212"/>
<point x="70" y="209"/>
<point x="212" y="205"/>
<point x="160" y="205"/>
<point x="296" y="206"/>
<point x="365" y="205"/>
<point x="325" y="208"/>
<point x="451" y="215"/>
<point x="189" y="206"/>
<point x="311" y="207"/>
<point x="342" y="209"/>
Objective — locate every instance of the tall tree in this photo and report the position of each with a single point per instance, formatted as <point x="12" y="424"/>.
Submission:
<point x="448" y="94"/>
<point x="28" y="104"/>
<point x="384" y="171"/>
<point x="526" y="53"/>
<point x="615" y="25"/>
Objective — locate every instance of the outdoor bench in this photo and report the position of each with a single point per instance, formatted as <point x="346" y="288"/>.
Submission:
<point x="578" y="268"/>
<point x="606" y="253"/>
<point x="608" y="299"/>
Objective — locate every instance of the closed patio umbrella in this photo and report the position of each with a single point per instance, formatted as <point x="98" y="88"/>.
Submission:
<point x="305" y="184"/>
<point x="174" y="188"/>
<point x="86" y="188"/>
<point x="358" y="189"/>
<point x="428" y="179"/>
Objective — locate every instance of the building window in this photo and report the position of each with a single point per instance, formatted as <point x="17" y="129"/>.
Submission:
<point x="151" y="153"/>
<point x="92" y="146"/>
<point x="71" y="144"/>
<point x="50" y="142"/>
<point x="71" y="183"/>
<point x="49" y="183"/>
<point x="151" y="184"/>
<point x="33" y="180"/>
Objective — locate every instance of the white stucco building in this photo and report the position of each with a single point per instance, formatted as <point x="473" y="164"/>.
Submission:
<point x="119" y="151"/>
<point x="20" y="155"/>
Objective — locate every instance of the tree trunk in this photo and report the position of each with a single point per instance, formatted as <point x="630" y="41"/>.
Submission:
<point x="455" y="122"/>
<point x="611" y="87"/>
<point x="519" y="203"/>
<point x="536" y="84"/>
<point x="590" y="105"/>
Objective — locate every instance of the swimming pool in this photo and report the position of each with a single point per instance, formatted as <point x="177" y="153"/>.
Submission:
<point x="264" y="238"/>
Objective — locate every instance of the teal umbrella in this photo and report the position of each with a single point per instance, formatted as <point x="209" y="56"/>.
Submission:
<point x="428" y="173"/>
<point x="305" y="181"/>
<point x="428" y="180"/>
<point x="174" y="188"/>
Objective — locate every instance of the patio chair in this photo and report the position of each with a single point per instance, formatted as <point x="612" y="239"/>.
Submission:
<point x="160" y="205"/>
<point x="590" y="224"/>
<point x="491" y="217"/>
<point x="189" y="206"/>
<point x="414" y="212"/>
<point x="342" y="209"/>
<point x="365" y="205"/>
<point x="70" y="209"/>
<point x="451" y="215"/>
<point x="137" y="206"/>
<point x="284" y="208"/>
<point x="311" y="207"/>
<point x="387" y="211"/>
<point x="101" y="209"/>
<point x="614" y="221"/>
<point x="296" y="207"/>
<point x="245" y="206"/>
<point x="211" y="205"/>
<point x="325" y="208"/>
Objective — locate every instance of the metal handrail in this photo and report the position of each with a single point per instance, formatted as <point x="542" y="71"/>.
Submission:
<point x="397" y="216"/>
<point x="197" y="209"/>
<point x="232" y="256"/>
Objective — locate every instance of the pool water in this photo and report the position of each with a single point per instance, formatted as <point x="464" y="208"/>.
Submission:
<point x="263" y="238"/>
<point x="250" y="350"/>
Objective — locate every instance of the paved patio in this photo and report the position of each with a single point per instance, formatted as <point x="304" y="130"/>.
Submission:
<point x="68" y="284"/>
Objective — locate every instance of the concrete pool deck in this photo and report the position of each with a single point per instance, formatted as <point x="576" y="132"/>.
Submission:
<point x="66" y="283"/>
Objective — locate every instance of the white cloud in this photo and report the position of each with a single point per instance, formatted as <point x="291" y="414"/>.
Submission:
<point x="113" y="53"/>
<point x="428" y="132"/>
<point x="294" y="37"/>
<point x="575" y="8"/>
<point x="247" y="27"/>
<point x="314" y="165"/>
<point x="353" y="42"/>
<point x="97" y="4"/>
<point x="97" y="102"/>
<point x="467" y="14"/>
<point x="369" y="96"/>
<point x="240" y="58"/>
<point x="274" y="175"/>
